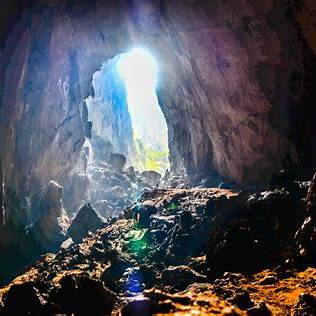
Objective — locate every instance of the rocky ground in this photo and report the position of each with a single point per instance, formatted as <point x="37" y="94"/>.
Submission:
<point x="184" y="252"/>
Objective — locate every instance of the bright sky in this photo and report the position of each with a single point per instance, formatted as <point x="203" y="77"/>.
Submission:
<point x="139" y="70"/>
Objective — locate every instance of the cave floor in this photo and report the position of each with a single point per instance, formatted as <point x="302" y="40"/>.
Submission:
<point x="157" y="257"/>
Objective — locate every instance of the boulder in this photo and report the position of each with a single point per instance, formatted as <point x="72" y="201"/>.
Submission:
<point x="152" y="177"/>
<point x="86" y="220"/>
<point x="117" y="161"/>
<point x="51" y="222"/>
<point x="80" y="294"/>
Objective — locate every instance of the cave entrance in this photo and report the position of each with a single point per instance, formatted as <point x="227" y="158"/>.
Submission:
<point x="126" y="152"/>
<point x="125" y="112"/>
<point x="139" y="71"/>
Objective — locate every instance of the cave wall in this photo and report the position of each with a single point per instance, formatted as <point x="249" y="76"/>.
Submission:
<point x="235" y="83"/>
<point x="108" y="112"/>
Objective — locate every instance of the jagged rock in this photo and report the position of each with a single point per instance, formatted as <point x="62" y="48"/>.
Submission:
<point x="131" y="173"/>
<point x="258" y="227"/>
<point x="128" y="258"/>
<point x="118" y="161"/>
<point x="86" y="220"/>
<point x="269" y="280"/>
<point x="311" y="198"/>
<point x="231" y="250"/>
<point x="77" y="192"/>
<point x="132" y="281"/>
<point x="187" y="219"/>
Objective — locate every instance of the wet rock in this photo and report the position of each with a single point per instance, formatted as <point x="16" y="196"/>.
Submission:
<point x="117" y="161"/>
<point x="305" y="305"/>
<point x="86" y="220"/>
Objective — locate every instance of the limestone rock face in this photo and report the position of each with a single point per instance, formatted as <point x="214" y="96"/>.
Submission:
<point x="235" y="84"/>
<point x="52" y="222"/>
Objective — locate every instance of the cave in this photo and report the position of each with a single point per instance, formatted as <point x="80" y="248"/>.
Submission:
<point x="125" y="128"/>
<point x="155" y="151"/>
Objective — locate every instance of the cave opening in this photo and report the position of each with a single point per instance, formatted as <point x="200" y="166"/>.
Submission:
<point x="127" y="152"/>
<point x="139" y="71"/>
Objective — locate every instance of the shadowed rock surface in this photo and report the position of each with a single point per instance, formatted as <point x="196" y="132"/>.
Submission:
<point x="204" y="250"/>
<point x="87" y="220"/>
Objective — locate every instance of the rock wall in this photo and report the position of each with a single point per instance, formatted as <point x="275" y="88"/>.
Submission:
<point x="108" y="111"/>
<point x="235" y="83"/>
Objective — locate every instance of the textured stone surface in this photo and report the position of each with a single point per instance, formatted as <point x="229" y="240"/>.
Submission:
<point x="87" y="220"/>
<point x="126" y="262"/>
<point x="233" y="78"/>
<point x="50" y="222"/>
<point x="236" y="87"/>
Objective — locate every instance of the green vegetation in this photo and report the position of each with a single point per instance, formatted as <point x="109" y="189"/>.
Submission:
<point x="150" y="159"/>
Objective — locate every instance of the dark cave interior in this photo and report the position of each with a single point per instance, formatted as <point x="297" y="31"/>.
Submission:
<point x="158" y="157"/>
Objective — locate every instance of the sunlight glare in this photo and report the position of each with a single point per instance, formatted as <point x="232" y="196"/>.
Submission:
<point x="139" y="71"/>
